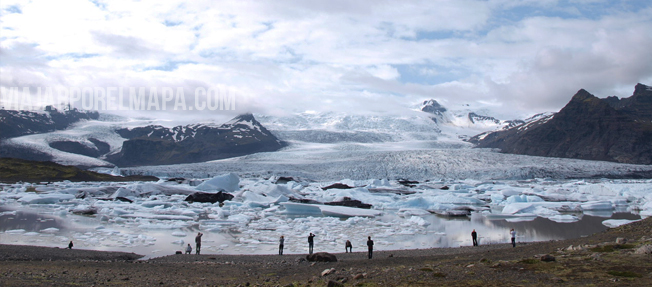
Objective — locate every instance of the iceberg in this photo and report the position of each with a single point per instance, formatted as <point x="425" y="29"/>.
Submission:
<point x="227" y="182"/>
<point x="612" y="223"/>
<point x="45" y="198"/>
<point x="597" y="205"/>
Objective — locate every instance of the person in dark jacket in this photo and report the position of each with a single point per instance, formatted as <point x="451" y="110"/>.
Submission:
<point x="370" y="246"/>
<point x="70" y="245"/>
<point x="474" y="235"/>
<point x="311" y="242"/>
<point x="198" y="242"/>
<point x="280" y="245"/>
<point x="348" y="247"/>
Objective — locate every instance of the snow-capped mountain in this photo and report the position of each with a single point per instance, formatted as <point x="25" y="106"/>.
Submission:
<point x="154" y="145"/>
<point x="427" y="121"/>
<point x="18" y="123"/>
<point x="586" y="128"/>
<point x="109" y="140"/>
<point x="129" y="142"/>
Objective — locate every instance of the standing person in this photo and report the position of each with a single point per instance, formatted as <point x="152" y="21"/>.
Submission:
<point x="348" y="247"/>
<point x="198" y="242"/>
<point x="280" y="245"/>
<point x="311" y="242"/>
<point x="474" y="235"/>
<point x="188" y="249"/>
<point x="370" y="246"/>
<point x="70" y="245"/>
<point x="513" y="234"/>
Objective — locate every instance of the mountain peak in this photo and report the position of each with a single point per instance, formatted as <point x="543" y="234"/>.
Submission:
<point x="582" y="95"/>
<point x="642" y="89"/>
<point x="433" y="107"/>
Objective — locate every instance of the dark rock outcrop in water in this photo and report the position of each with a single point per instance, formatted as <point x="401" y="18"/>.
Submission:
<point x="350" y="203"/>
<point x="611" y="129"/>
<point x="157" y="145"/>
<point x="209" y="197"/>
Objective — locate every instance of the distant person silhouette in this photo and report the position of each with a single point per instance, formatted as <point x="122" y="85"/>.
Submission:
<point x="198" y="242"/>
<point x="280" y="245"/>
<point x="311" y="242"/>
<point x="370" y="246"/>
<point x="70" y="245"/>
<point x="512" y="233"/>
<point x="474" y="235"/>
<point x="188" y="249"/>
<point x="348" y="247"/>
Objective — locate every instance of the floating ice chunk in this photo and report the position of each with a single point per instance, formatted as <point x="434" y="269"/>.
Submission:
<point x="523" y="198"/>
<point x="611" y="223"/>
<point x="158" y="216"/>
<point x="240" y="218"/>
<point x="50" y="230"/>
<point x="124" y="192"/>
<point x="514" y="217"/>
<point x="227" y="182"/>
<point x="15" y="231"/>
<point x="50" y="198"/>
<point x="599" y="213"/>
<point x="564" y="218"/>
<point x="405" y="212"/>
<point x="179" y="234"/>
<point x="32" y="233"/>
<point x="517" y="208"/>
<point x="343" y="211"/>
<point x="13" y="212"/>
<point x="175" y="225"/>
<point x="178" y="242"/>
<point x="301" y="208"/>
<point x="154" y="203"/>
<point x="418" y="221"/>
<point x="597" y="205"/>
<point x="497" y="198"/>
<point x="597" y="189"/>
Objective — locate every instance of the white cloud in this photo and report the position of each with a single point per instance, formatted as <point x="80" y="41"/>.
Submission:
<point x="334" y="55"/>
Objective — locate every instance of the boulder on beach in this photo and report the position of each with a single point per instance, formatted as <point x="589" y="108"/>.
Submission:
<point x="321" y="257"/>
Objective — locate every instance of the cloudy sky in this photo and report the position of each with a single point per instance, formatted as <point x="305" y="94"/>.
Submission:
<point x="516" y="58"/>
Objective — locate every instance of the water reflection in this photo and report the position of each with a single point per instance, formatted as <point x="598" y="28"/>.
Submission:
<point x="90" y="233"/>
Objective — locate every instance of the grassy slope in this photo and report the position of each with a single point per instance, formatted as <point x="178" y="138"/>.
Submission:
<point x="15" y="170"/>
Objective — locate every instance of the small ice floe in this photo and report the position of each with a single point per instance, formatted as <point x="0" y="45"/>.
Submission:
<point x="15" y="231"/>
<point x="564" y="218"/>
<point x="597" y="205"/>
<point x="50" y="198"/>
<point x="32" y="233"/>
<point x="611" y="223"/>
<point x="50" y="230"/>
<point x="179" y="234"/>
<point x="343" y="211"/>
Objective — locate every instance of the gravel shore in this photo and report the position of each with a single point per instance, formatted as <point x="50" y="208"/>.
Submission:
<point x="596" y="260"/>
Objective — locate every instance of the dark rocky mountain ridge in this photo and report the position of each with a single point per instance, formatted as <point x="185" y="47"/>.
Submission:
<point x="148" y="145"/>
<point x="17" y="123"/>
<point x="610" y="129"/>
<point x="157" y="145"/>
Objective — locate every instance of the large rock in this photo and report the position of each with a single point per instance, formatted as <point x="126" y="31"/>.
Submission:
<point x="209" y="197"/>
<point x="321" y="257"/>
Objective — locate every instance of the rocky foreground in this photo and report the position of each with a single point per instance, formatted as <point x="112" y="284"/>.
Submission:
<point x="619" y="256"/>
